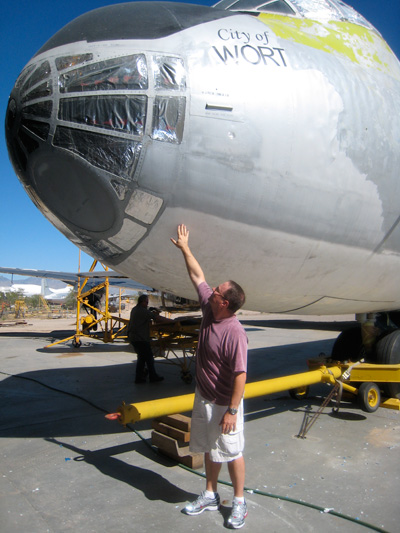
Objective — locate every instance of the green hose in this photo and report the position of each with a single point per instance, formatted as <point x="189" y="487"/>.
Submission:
<point x="270" y="495"/>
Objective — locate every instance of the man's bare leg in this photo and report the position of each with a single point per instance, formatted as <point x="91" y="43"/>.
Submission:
<point x="212" y="473"/>
<point x="237" y="473"/>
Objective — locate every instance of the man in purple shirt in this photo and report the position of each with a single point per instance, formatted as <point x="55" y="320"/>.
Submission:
<point x="221" y="367"/>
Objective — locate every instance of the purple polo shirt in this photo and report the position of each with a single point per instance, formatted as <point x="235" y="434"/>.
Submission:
<point x="221" y="352"/>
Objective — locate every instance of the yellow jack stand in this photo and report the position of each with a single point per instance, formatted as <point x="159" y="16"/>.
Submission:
<point x="112" y="327"/>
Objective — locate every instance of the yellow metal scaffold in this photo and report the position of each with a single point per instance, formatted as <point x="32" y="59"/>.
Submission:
<point x="175" y="342"/>
<point x="111" y="326"/>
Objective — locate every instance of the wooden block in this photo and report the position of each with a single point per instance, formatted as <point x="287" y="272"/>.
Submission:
<point x="181" y="436"/>
<point x="194" y="461"/>
<point x="181" y="422"/>
<point x="169" y="446"/>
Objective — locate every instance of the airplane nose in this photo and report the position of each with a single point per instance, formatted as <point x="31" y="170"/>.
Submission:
<point x="50" y="173"/>
<point x="92" y="116"/>
<point x="76" y="129"/>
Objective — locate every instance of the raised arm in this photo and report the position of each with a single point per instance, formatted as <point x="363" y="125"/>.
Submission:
<point x="194" y="269"/>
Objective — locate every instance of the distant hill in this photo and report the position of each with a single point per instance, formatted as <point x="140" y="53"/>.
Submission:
<point x="4" y="282"/>
<point x="51" y="283"/>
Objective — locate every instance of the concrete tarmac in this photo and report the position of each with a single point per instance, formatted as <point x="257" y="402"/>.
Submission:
<point x="65" y="468"/>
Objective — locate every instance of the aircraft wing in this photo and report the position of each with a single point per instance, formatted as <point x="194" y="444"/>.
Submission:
<point x="115" y="279"/>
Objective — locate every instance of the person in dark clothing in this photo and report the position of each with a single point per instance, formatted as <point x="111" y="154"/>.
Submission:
<point x="139" y="336"/>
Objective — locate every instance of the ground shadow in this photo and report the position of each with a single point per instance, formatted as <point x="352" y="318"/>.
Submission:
<point x="300" y="324"/>
<point x="153" y="485"/>
<point x="88" y="344"/>
<point x="73" y="401"/>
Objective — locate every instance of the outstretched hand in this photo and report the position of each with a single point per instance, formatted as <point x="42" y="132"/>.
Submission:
<point x="194" y="269"/>
<point x="182" y="237"/>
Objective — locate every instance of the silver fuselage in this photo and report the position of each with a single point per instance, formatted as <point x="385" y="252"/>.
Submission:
<point x="276" y="140"/>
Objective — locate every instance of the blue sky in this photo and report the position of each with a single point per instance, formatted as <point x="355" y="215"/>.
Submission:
<point x="27" y="239"/>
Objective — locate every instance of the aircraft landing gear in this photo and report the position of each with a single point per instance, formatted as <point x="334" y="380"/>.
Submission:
<point x="388" y="353"/>
<point x="348" y="346"/>
<point x="376" y="341"/>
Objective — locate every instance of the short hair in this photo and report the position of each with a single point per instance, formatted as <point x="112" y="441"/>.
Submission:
<point x="142" y="298"/>
<point x="235" y="296"/>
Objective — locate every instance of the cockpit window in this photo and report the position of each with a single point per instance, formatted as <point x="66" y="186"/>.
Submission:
<point x="115" y="155"/>
<point x="23" y="76"/>
<point x="311" y="9"/>
<point x="277" y="6"/>
<point x="329" y="10"/>
<point x="43" y="90"/>
<point x="41" y="73"/>
<point x="121" y="73"/>
<point x="71" y="61"/>
<point x="351" y="14"/>
<point x="168" y="119"/>
<point x="169" y="73"/>
<point x="122" y="113"/>
<point x="271" y="6"/>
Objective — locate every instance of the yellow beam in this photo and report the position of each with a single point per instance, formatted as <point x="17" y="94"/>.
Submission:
<point x="130" y="413"/>
<point x="375" y="373"/>
<point x="294" y="381"/>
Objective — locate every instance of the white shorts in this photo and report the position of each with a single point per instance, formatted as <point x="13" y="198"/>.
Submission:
<point x="206" y="436"/>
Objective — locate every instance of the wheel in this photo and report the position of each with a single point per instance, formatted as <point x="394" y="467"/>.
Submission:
<point x="76" y="343"/>
<point x="299" y="393"/>
<point x="369" y="397"/>
<point x="388" y="353"/>
<point x="348" y="346"/>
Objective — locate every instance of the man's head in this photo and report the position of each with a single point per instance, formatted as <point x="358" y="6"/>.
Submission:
<point x="143" y="300"/>
<point x="228" y="295"/>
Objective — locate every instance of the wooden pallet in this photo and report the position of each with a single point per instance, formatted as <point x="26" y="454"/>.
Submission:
<point x="171" y="435"/>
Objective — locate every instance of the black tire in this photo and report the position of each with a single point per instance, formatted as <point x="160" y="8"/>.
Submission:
<point x="369" y="397"/>
<point x="348" y="346"/>
<point x="388" y="353"/>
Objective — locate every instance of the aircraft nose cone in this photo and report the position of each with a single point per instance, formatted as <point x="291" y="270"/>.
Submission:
<point x="58" y="180"/>
<point x="88" y="113"/>
<point x="72" y="190"/>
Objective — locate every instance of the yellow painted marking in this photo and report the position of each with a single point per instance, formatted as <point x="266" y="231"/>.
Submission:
<point x="359" y="44"/>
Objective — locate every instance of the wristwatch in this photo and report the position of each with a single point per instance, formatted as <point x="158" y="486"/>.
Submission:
<point x="232" y="411"/>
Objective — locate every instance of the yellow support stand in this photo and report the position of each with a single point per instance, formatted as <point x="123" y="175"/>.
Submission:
<point x="111" y="327"/>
